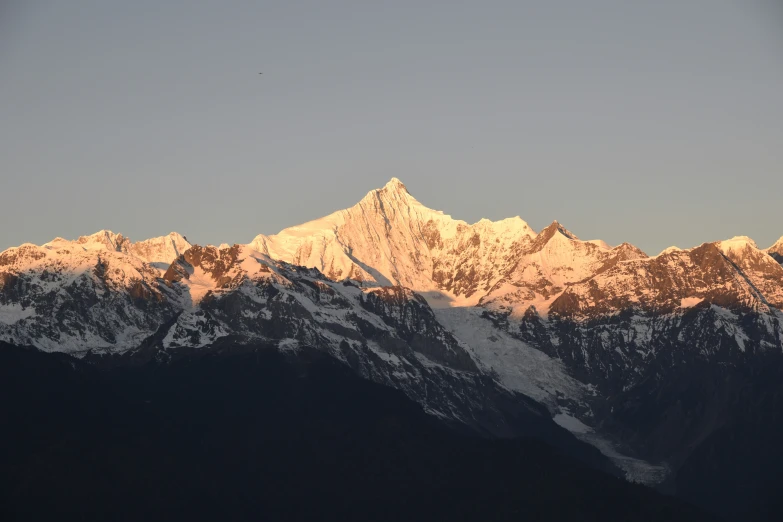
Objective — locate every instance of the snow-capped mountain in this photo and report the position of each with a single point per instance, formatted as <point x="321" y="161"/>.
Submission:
<point x="74" y="296"/>
<point x="467" y="319"/>
<point x="389" y="238"/>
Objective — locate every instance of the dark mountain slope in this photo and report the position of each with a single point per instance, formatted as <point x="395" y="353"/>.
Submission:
<point x="737" y="468"/>
<point x="261" y="435"/>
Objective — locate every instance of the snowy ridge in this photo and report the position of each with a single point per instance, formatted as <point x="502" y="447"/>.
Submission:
<point x="160" y="251"/>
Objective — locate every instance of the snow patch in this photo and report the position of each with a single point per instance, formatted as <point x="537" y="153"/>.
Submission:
<point x="636" y="470"/>
<point x="14" y="312"/>
<point x="199" y="283"/>
<point x="690" y="302"/>
<point x="570" y="423"/>
<point x="599" y="243"/>
<point x="668" y="250"/>
<point x="519" y="366"/>
<point x="737" y="244"/>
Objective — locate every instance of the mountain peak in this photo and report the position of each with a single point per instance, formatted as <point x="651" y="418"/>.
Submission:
<point x="555" y="227"/>
<point x="396" y="185"/>
<point x="777" y="247"/>
<point x="393" y="189"/>
<point x="513" y="226"/>
<point x="737" y="243"/>
<point x="394" y="199"/>
<point x="158" y="251"/>
<point x="104" y="239"/>
<point x="776" y="251"/>
<point x="554" y="231"/>
<point x="669" y="250"/>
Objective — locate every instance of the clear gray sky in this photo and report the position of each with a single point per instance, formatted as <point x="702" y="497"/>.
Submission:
<point x="656" y="123"/>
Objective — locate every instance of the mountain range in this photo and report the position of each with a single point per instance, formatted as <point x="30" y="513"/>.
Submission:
<point x="663" y="369"/>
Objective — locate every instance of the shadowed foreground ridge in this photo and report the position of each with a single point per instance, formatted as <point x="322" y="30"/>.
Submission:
<point x="260" y="435"/>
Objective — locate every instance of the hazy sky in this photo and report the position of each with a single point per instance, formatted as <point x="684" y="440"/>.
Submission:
<point x="656" y="123"/>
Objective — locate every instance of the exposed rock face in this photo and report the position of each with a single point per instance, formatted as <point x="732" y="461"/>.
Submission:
<point x="217" y="264"/>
